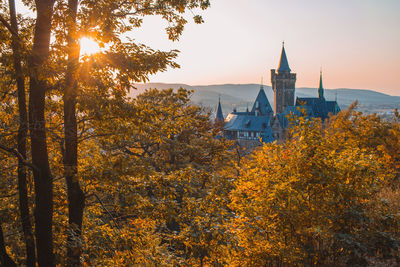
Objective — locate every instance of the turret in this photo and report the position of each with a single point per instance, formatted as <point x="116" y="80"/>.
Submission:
<point x="220" y="115"/>
<point x="320" y="88"/>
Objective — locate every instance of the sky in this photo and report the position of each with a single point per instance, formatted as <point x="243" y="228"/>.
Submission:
<point x="355" y="42"/>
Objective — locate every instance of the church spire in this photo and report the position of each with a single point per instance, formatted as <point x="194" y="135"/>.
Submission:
<point x="320" y="88"/>
<point x="283" y="64"/>
<point x="220" y="115"/>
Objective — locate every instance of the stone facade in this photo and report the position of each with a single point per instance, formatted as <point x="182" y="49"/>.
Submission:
<point x="283" y="85"/>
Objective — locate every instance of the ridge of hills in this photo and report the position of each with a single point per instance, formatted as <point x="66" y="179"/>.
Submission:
<point x="243" y="95"/>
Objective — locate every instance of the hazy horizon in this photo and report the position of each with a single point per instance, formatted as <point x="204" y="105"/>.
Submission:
<point x="354" y="41"/>
<point x="251" y="83"/>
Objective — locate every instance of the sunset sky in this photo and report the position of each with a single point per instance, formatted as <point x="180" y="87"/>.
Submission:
<point x="356" y="42"/>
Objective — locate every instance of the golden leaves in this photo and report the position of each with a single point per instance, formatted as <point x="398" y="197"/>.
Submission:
<point x="298" y="196"/>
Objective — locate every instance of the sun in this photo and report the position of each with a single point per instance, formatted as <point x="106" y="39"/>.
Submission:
<point x="88" y="46"/>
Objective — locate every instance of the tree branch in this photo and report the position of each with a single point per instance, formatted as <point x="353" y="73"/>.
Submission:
<point x="14" y="152"/>
<point x="105" y="209"/>
<point x="8" y="26"/>
<point x="9" y="195"/>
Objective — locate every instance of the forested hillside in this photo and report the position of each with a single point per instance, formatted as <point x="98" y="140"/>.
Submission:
<point x="243" y="95"/>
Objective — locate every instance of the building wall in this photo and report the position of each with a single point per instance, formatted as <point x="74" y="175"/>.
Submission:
<point x="283" y="85"/>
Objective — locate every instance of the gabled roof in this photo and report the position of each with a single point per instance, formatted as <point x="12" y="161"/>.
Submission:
<point x="262" y="104"/>
<point x="283" y="63"/>
<point x="220" y="115"/>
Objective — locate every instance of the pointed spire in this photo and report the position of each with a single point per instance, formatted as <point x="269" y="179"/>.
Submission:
<point x="283" y="63"/>
<point x="262" y="83"/>
<point x="220" y="115"/>
<point x="320" y="88"/>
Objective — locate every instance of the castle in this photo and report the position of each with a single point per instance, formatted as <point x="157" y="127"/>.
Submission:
<point x="268" y="124"/>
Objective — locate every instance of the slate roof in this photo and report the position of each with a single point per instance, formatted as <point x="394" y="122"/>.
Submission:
<point x="293" y="111"/>
<point x="248" y="122"/>
<point x="283" y="63"/>
<point x="261" y="104"/>
<point x="320" y="107"/>
<point x="333" y="107"/>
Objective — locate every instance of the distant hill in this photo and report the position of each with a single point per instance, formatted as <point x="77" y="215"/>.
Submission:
<point x="243" y="95"/>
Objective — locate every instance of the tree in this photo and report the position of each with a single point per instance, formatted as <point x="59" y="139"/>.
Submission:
<point x="22" y="138"/>
<point x="106" y="22"/>
<point x="312" y="199"/>
<point x="166" y="167"/>
<point x="37" y="92"/>
<point x="115" y="12"/>
<point x="13" y="78"/>
<point x="5" y="259"/>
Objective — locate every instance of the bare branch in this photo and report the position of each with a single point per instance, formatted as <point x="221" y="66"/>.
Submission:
<point x="104" y="208"/>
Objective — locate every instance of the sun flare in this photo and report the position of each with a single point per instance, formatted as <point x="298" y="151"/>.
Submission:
<point x="88" y="46"/>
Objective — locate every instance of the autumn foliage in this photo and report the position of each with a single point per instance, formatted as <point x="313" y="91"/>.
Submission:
<point x="92" y="177"/>
<point x="318" y="198"/>
<point x="162" y="190"/>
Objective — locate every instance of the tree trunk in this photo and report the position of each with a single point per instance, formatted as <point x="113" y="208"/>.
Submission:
<point x="5" y="260"/>
<point x="21" y="142"/>
<point x="76" y="197"/>
<point x="42" y="175"/>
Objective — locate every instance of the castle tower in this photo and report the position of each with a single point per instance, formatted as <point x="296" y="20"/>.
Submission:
<point x="283" y="84"/>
